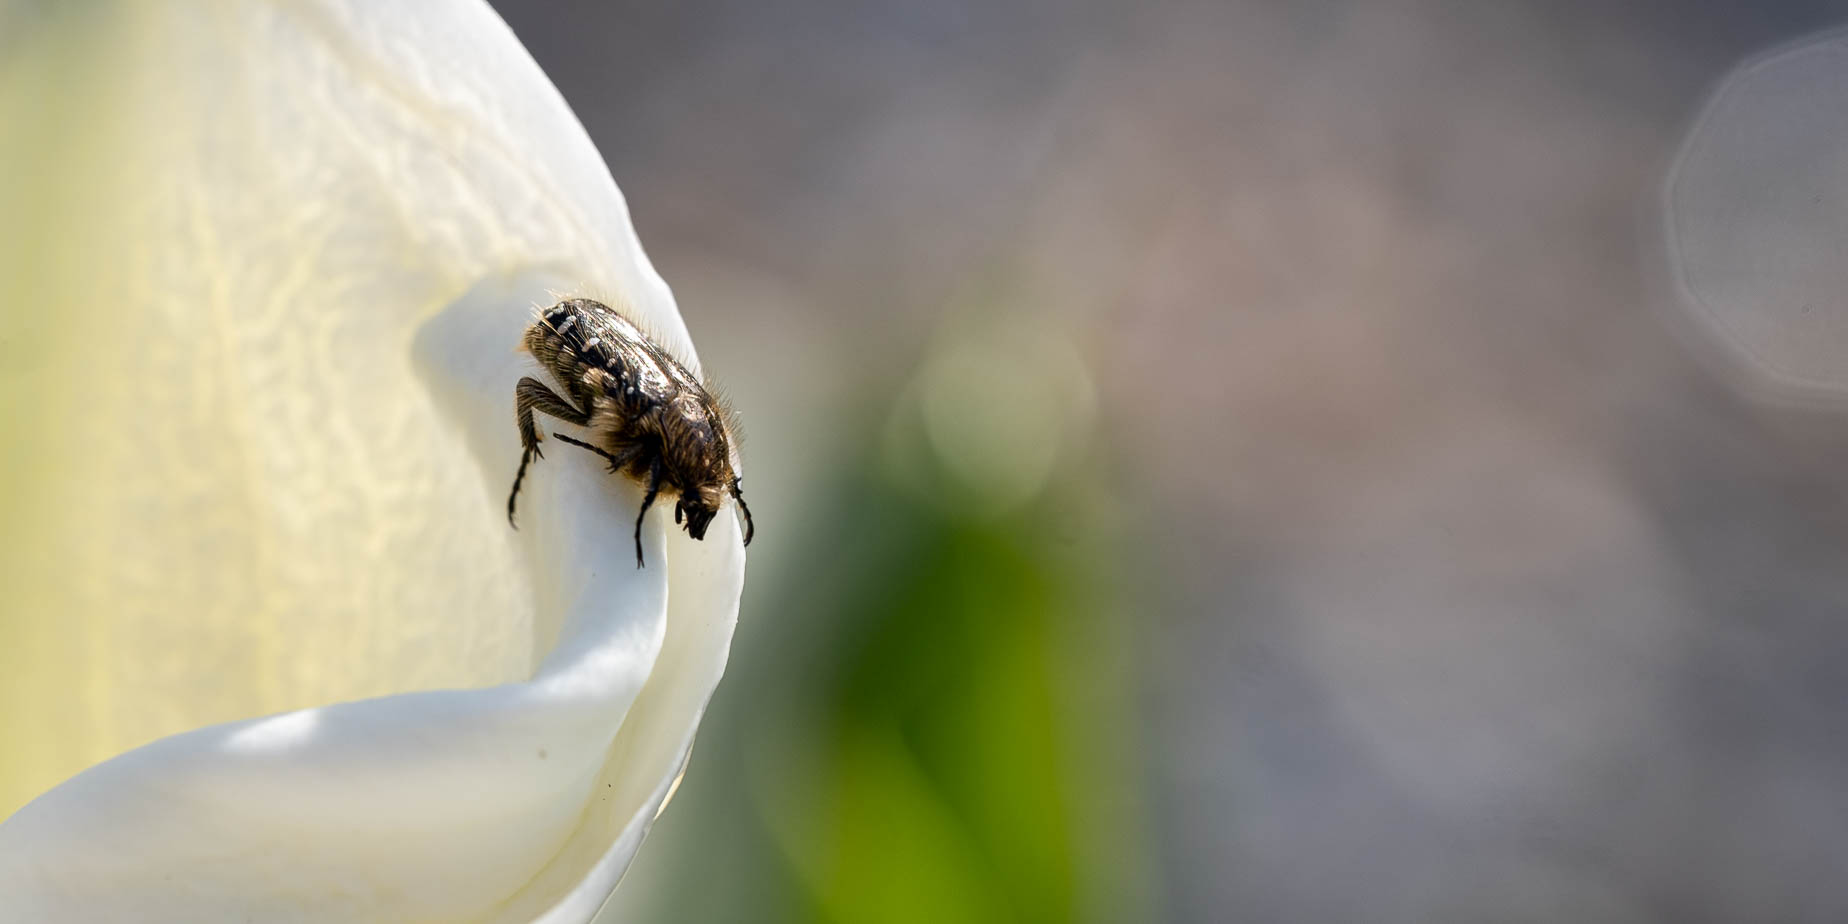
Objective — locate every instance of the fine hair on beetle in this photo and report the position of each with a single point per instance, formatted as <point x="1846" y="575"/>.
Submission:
<point x="646" y="415"/>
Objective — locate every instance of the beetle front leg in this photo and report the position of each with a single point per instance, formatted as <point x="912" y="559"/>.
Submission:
<point x="529" y="396"/>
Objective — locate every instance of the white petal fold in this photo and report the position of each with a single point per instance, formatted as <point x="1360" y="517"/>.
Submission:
<point x="306" y="237"/>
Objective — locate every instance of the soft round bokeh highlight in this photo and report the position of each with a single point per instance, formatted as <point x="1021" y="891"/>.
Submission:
<point x="1758" y="217"/>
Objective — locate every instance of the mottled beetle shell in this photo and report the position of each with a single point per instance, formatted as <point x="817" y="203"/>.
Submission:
<point x="650" y="417"/>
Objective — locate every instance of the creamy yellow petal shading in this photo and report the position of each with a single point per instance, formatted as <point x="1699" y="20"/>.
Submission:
<point x="255" y="464"/>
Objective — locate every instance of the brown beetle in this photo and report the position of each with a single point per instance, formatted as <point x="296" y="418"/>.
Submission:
<point x="647" y="415"/>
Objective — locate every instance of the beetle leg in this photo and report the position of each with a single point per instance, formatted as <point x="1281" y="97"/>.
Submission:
<point x="528" y="396"/>
<point x="654" y="487"/>
<point x="750" y="529"/>
<point x="616" y="459"/>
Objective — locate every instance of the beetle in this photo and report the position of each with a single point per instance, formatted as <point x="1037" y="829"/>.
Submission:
<point x="647" y="416"/>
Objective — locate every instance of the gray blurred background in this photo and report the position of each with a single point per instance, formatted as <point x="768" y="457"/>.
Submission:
<point x="1230" y="461"/>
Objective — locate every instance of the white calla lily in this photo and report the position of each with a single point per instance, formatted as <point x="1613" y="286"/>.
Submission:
<point x="268" y="263"/>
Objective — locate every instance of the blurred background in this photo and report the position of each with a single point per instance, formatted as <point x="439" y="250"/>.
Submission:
<point x="1258" y="461"/>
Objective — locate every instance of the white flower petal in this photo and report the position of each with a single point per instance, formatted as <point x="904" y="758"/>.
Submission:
<point x="705" y="579"/>
<point x="253" y="502"/>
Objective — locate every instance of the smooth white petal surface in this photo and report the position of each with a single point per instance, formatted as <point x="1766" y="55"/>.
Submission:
<point x="271" y="260"/>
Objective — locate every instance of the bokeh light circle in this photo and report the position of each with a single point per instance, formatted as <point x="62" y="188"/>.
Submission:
<point x="1757" y="216"/>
